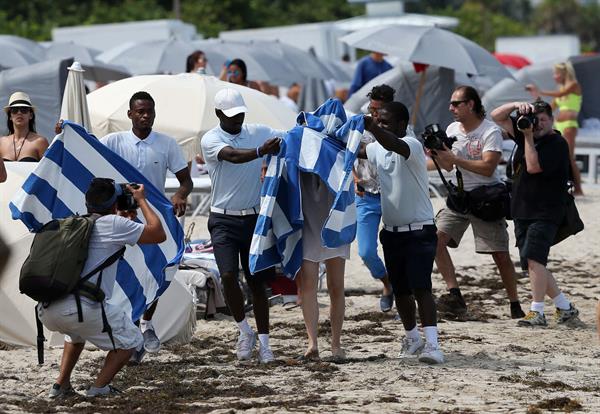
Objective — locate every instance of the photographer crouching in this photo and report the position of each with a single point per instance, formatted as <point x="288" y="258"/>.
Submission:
<point x="84" y="313"/>
<point x="539" y="198"/>
<point x="475" y="153"/>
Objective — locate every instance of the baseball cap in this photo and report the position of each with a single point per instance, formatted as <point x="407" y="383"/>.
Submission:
<point x="18" y="99"/>
<point x="230" y="102"/>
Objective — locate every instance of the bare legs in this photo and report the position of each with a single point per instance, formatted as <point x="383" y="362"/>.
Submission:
<point x="570" y="134"/>
<point x="308" y="283"/>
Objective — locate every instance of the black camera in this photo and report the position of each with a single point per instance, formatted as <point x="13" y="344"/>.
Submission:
<point x="526" y="121"/>
<point x="125" y="201"/>
<point x="435" y="138"/>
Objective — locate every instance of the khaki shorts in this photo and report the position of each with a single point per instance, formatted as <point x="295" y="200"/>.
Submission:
<point x="61" y="316"/>
<point x="490" y="236"/>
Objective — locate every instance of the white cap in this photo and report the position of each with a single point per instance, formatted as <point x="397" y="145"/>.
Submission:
<point x="230" y="102"/>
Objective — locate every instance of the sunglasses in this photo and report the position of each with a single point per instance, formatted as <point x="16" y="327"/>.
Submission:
<point x="454" y="104"/>
<point x="21" y="109"/>
<point x="233" y="72"/>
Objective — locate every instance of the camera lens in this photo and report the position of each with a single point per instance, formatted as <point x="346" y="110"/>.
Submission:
<point x="523" y="122"/>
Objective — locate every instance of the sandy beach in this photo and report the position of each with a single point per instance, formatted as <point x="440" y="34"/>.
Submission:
<point x="492" y="365"/>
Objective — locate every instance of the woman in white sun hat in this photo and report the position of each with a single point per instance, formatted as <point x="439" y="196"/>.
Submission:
<point x="22" y="142"/>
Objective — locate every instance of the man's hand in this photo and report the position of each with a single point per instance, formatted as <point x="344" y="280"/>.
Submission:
<point x="58" y="127"/>
<point x="271" y="146"/>
<point x="138" y="193"/>
<point x="179" y="204"/>
<point x="524" y="107"/>
<point x="445" y="156"/>
<point x="369" y="122"/>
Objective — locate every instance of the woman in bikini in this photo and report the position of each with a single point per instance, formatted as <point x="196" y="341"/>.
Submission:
<point x="22" y="143"/>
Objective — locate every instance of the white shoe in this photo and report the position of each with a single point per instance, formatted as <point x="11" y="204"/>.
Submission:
<point x="410" y="347"/>
<point x="431" y="355"/>
<point x="245" y="346"/>
<point x="106" y="390"/>
<point x="265" y="355"/>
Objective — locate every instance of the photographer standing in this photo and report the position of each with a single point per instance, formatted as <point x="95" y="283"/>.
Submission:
<point x="539" y="198"/>
<point x="476" y="153"/>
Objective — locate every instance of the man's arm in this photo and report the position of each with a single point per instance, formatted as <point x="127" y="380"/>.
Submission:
<point x="243" y="155"/>
<point x="3" y="174"/>
<point x="531" y="155"/>
<point x="179" y="199"/>
<point x="153" y="230"/>
<point x="388" y="140"/>
<point x="486" y="166"/>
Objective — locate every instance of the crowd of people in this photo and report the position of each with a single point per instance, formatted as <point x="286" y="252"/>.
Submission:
<point x="393" y="205"/>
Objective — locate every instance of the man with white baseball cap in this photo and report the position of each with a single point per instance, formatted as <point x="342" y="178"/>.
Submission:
<point x="233" y="152"/>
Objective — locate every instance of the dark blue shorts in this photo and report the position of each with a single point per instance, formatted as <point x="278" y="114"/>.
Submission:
<point x="409" y="258"/>
<point x="534" y="239"/>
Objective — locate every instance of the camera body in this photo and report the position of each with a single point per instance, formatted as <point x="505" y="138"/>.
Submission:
<point x="435" y="138"/>
<point x="525" y="121"/>
<point x="126" y="201"/>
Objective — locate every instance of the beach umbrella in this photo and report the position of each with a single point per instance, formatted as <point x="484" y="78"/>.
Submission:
<point x="429" y="46"/>
<point x="12" y="58"/>
<point x="19" y="49"/>
<point x="184" y="106"/>
<point x="74" y="102"/>
<point x="95" y="70"/>
<point x="150" y="57"/>
<point x="512" y="60"/>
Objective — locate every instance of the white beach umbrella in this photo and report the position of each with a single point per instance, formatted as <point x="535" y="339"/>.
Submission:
<point x="74" y="103"/>
<point x="184" y="106"/>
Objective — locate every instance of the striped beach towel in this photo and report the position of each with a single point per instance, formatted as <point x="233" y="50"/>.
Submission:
<point x="324" y="143"/>
<point x="56" y="189"/>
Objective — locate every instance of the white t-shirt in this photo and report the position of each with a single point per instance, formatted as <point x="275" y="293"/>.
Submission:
<point x="151" y="156"/>
<point x="471" y="146"/>
<point x="235" y="186"/>
<point x="404" y="183"/>
<point x="110" y="233"/>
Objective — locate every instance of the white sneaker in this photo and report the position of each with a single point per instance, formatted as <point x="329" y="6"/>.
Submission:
<point x="106" y="390"/>
<point x="410" y="347"/>
<point x="265" y="355"/>
<point x="245" y="346"/>
<point x="431" y="355"/>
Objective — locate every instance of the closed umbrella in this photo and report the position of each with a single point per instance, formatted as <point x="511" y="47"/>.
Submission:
<point x="74" y="103"/>
<point x="184" y="106"/>
<point x="151" y="57"/>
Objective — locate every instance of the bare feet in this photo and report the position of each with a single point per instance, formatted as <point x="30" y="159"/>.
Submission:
<point x="338" y="354"/>
<point x="311" y="354"/>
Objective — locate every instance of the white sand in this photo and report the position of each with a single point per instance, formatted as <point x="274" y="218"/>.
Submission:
<point x="492" y="365"/>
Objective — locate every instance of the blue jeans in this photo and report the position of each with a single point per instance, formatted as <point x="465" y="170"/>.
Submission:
<point x="368" y="216"/>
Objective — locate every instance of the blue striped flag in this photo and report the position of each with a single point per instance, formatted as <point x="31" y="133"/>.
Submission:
<point x="56" y="189"/>
<point x="324" y="143"/>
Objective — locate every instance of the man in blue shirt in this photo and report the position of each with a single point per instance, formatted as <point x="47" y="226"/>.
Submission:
<point x="368" y="68"/>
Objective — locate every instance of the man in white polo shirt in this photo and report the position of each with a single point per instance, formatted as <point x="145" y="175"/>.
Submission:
<point x="233" y="152"/>
<point x="152" y="153"/>
<point x="409" y="235"/>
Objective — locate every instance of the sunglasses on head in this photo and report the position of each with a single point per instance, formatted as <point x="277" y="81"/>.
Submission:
<point x="21" y="109"/>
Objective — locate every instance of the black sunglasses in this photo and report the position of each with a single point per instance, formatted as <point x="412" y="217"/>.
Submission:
<point x="456" y="103"/>
<point x="21" y="109"/>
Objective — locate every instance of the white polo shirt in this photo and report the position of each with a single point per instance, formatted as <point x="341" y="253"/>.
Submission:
<point x="235" y="186"/>
<point x="151" y="156"/>
<point x="404" y="183"/>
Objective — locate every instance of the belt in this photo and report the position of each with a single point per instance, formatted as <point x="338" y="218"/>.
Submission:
<point x="409" y="227"/>
<point x="246" y="212"/>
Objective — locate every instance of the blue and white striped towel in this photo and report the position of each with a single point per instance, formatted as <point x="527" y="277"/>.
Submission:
<point x="324" y="143"/>
<point x="56" y="189"/>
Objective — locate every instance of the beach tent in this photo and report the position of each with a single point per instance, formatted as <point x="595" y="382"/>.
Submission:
<point x="437" y="90"/>
<point x="44" y="83"/>
<point x="184" y="106"/>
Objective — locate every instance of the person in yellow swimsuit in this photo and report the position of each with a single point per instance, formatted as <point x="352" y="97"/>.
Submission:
<point x="567" y="99"/>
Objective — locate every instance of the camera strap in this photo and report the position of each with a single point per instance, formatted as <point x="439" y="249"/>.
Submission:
<point x="459" y="178"/>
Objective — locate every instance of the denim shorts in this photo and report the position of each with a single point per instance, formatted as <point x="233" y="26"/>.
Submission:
<point x="534" y="239"/>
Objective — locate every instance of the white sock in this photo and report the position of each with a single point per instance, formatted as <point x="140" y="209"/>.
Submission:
<point x="561" y="302"/>
<point x="413" y="334"/>
<point x="431" y="335"/>
<point x="264" y="340"/>
<point x="145" y="325"/>
<point x="537" y="307"/>
<point x="245" y="327"/>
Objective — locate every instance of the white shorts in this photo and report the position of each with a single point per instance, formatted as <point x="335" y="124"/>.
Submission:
<point x="61" y="316"/>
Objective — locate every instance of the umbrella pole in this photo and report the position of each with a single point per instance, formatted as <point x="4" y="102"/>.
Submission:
<point x="413" y="118"/>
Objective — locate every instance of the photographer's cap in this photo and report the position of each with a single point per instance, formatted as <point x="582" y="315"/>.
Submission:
<point x="230" y="102"/>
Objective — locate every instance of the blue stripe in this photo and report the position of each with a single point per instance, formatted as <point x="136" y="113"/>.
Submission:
<point x="133" y="289"/>
<point x="47" y="195"/>
<point x="27" y="218"/>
